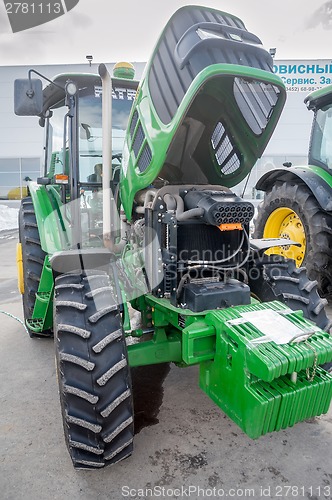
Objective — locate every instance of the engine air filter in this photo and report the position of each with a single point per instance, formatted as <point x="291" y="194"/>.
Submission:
<point x="221" y="207"/>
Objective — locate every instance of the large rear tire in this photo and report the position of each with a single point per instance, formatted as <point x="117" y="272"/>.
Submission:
<point x="32" y="259"/>
<point x="291" y="211"/>
<point x="275" y="278"/>
<point x="93" y="372"/>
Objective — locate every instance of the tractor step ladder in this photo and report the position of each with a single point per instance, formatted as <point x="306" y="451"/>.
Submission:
<point x="42" y="313"/>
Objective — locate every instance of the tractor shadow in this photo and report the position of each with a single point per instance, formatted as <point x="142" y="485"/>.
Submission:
<point x="148" y="393"/>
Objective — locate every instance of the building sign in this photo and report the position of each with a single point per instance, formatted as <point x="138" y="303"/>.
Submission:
<point x="304" y="76"/>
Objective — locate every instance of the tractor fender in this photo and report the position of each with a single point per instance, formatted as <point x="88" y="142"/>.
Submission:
<point x="53" y="228"/>
<point x="320" y="188"/>
<point x="80" y="260"/>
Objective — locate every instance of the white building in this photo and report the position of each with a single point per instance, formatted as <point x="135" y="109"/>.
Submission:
<point x="21" y="138"/>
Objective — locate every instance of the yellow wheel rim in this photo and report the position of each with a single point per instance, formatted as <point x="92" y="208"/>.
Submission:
<point x="19" y="264"/>
<point x="285" y="223"/>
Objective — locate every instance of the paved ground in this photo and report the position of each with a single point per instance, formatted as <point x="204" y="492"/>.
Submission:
<point x="193" y="445"/>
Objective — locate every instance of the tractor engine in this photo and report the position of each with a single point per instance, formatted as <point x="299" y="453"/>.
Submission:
<point x="200" y="262"/>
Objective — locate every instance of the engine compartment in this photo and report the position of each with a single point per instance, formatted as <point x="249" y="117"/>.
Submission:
<point x="203" y="245"/>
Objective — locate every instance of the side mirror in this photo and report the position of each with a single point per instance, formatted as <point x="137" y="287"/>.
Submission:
<point x="28" y="97"/>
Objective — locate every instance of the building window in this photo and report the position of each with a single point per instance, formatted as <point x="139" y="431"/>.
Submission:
<point x="14" y="175"/>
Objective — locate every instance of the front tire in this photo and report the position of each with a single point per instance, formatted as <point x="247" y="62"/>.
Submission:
<point x="93" y="372"/>
<point x="291" y="211"/>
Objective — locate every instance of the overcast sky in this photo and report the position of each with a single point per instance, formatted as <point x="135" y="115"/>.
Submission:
<point x="113" y="30"/>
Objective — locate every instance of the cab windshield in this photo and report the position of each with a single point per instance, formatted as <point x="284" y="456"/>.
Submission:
<point x="90" y="130"/>
<point x="90" y="127"/>
<point x="321" y="144"/>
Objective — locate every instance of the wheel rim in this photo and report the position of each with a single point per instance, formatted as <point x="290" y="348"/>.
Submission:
<point x="285" y="223"/>
<point x="19" y="264"/>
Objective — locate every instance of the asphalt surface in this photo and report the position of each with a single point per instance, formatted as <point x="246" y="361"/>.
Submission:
<point x="186" y="444"/>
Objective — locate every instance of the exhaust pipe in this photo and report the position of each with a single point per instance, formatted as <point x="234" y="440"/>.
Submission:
<point x="107" y="151"/>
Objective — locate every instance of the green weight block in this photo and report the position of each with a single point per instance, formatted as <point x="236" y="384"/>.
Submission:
<point x="286" y="397"/>
<point x="328" y="391"/>
<point x="297" y="404"/>
<point x="274" y="407"/>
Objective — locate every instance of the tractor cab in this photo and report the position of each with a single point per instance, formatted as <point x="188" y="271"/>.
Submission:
<point x="75" y="151"/>
<point x="89" y="124"/>
<point x="71" y="114"/>
<point x="320" y="151"/>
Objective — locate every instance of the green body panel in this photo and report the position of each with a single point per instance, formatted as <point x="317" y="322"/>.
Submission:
<point x="54" y="230"/>
<point x="54" y="233"/>
<point x="198" y="342"/>
<point x="322" y="173"/>
<point x="160" y="136"/>
<point x="161" y="349"/>
<point x="42" y="316"/>
<point x="198" y="337"/>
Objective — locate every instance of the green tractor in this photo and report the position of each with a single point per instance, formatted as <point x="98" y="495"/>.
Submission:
<point x="298" y="200"/>
<point x="141" y="216"/>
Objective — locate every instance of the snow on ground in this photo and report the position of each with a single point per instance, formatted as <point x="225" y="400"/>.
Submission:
<point x="8" y="218"/>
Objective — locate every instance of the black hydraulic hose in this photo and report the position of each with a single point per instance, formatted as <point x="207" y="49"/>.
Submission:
<point x="183" y="280"/>
<point x="209" y="264"/>
<point x="244" y="274"/>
